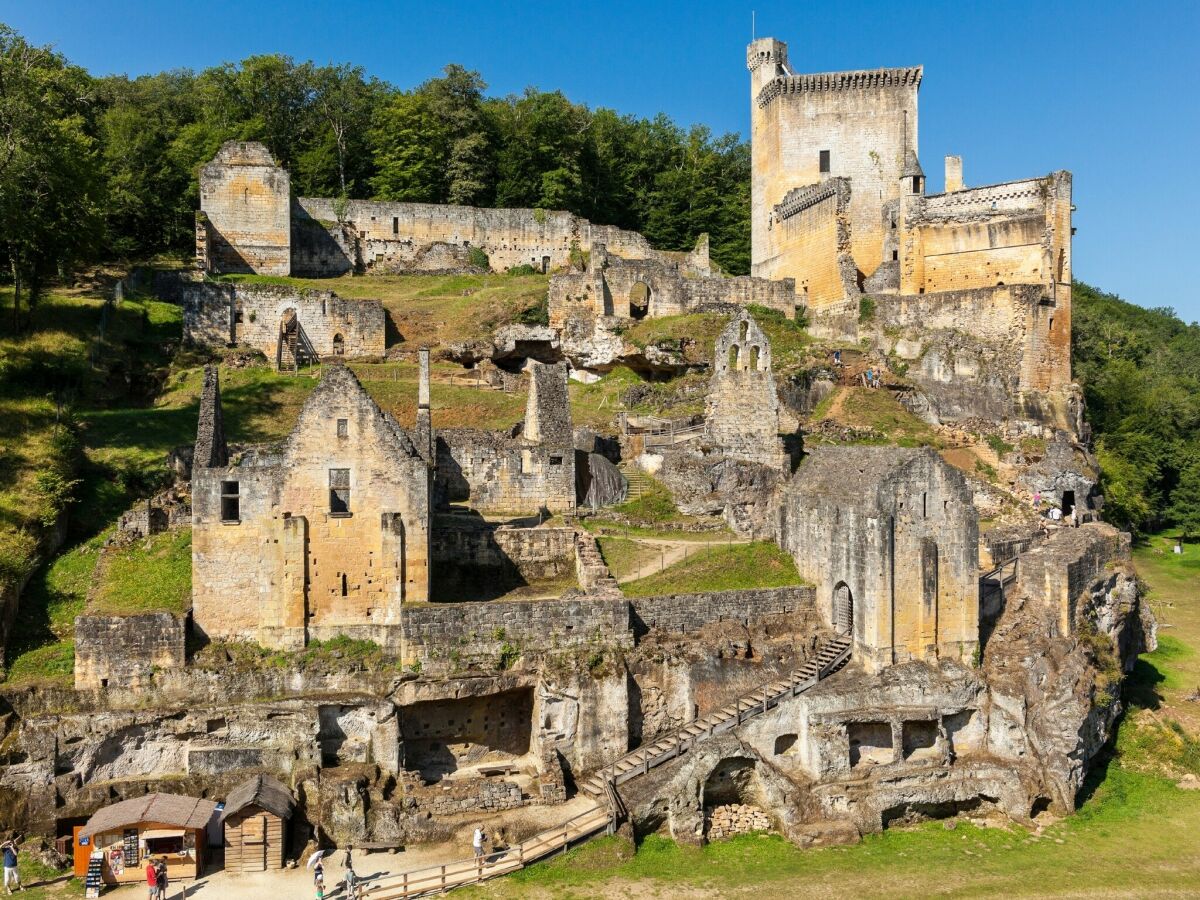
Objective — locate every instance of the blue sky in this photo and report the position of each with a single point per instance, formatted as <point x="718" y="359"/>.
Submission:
<point x="1104" y="89"/>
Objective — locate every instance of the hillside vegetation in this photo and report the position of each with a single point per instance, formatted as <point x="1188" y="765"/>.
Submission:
<point x="1140" y="371"/>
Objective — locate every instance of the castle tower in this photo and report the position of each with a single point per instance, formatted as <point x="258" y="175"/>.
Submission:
<point x="912" y="252"/>
<point x="211" y="451"/>
<point x="548" y="408"/>
<point x="806" y="129"/>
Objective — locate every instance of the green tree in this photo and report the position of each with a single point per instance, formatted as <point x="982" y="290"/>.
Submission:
<point x="49" y="173"/>
<point x="1184" y="511"/>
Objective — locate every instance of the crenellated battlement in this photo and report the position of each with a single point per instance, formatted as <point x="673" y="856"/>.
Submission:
<point x="866" y="79"/>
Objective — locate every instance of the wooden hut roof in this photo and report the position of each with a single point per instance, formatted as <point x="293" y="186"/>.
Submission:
<point x="165" y="809"/>
<point x="262" y="791"/>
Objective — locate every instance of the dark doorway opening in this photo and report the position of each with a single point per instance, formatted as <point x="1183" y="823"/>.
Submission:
<point x="1068" y="503"/>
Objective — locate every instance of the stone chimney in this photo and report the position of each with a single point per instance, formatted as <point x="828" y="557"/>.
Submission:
<point x="424" y="422"/>
<point x="211" y="451"/>
<point x="954" y="180"/>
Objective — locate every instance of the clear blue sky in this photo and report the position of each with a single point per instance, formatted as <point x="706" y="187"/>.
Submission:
<point x="1105" y="89"/>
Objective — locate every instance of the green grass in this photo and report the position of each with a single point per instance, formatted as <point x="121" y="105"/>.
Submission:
<point x="625" y="556"/>
<point x="877" y="409"/>
<point x="720" y="568"/>
<point x="42" y="647"/>
<point x="153" y="575"/>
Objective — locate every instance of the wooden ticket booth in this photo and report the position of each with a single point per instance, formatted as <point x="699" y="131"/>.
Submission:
<point x="255" y="822"/>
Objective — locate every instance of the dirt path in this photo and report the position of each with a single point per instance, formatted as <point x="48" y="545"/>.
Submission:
<point x="673" y="551"/>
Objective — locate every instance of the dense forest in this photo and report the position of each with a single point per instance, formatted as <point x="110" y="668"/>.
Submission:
<point x="1140" y="371"/>
<point x="105" y="168"/>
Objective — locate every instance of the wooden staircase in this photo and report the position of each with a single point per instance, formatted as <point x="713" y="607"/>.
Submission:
<point x="604" y="814"/>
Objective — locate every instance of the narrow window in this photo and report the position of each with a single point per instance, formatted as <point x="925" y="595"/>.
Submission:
<point x="825" y="161"/>
<point x="1051" y="326"/>
<point x="343" y="428"/>
<point x="395" y="224"/>
<point x="343" y="584"/>
<point x="895" y="255"/>
<point x="754" y="358"/>
<point x="733" y="356"/>
<point x="231" y="508"/>
<point x="916" y="184"/>
<point x="237" y="317"/>
<point x="924" y="507"/>
<point x="339" y="492"/>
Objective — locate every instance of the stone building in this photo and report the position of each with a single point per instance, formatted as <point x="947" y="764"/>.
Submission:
<point x="970" y="288"/>
<point x="741" y="411"/>
<point x="890" y="537"/>
<point x="245" y="222"/>
<point x="527" y="470"/>
<point x="324" y="534"/>
<point x="288" y="325"/>
<point x="249" y="223"/>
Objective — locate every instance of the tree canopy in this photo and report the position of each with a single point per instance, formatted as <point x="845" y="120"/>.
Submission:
<point x="128" y="151"/>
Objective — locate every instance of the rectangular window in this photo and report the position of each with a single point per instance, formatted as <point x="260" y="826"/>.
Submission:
<point x="343" y="428"/>
<point x="824" y="160"/>
<point x="556" y="460"/>
<point x="895" y="255"/>
<point x="339" y="492"/>
<point x="231" y="501"/>
<point x="395" y="224"/>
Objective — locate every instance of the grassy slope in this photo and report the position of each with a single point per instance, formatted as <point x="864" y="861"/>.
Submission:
<point x="148" y="576"/>
<point x="720" y="568"/>
<point x="1134" y="834"/>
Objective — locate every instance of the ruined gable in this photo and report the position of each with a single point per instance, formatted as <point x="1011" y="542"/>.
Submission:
<point x="245" y="221"/>
<point x="325" y="534"/>
<point x="211" y="450"/>
<point x="741" y="418"/>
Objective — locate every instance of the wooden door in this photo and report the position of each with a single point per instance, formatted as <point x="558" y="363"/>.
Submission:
<point x="254" y="844"/>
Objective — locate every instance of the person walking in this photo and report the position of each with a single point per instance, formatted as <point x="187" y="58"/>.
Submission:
<point x="151" y="879"/>
<point x="477" y="845"/>
<point x="12" y="875"/>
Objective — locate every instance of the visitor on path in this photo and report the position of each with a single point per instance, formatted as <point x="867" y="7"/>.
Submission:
<point x="151" y="879"/>
<point x="347" y="862"/>
<point x="12" y="877"/>
<point x="1037" y="499"/>
<point x="477" y="845"/>
<point x="161" y="878"/>
<point x="319" y="874"/>
<point x="353" y="885"/>
<point x="837" y="357"/>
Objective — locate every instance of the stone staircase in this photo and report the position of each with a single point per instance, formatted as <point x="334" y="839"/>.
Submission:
<point x="591" y="569"/>
<point x="605" y="813"/>
<point x="639" y="482"/>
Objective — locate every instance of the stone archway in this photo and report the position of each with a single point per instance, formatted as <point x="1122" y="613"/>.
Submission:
<point x="733" y="799"/>
<point x="843" y="610"/>
<point x="639" y="300"/>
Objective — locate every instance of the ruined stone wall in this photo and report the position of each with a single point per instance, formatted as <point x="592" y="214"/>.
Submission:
<point x="251" y="315"/>
<point x="394" y="237"/>
<point x="890" y="538"/>
<point x="245" y="199"/>
<point x="497" y="473"/>
<point x="866" y="121"/>
<point x="639" y="288"/>
<point x="125" y="651"/>
<point x="975" y="352"/>
<point x="432" y="633"/>
<point x="294" y="564"/>
<point x="473" y="559"/>
<point x="684" y="613"/>
<point x="810" y="239"/>
<point x="1059" y="571"/>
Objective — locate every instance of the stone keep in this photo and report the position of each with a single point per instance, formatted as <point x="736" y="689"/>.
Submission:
<point x="741" y="416"/>
<point x="245" y="220"/>
<point x="326" y="534"/>
<point x="890" y="538"/>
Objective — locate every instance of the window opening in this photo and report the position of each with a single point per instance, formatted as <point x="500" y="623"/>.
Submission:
<point x="231" y="501"/>
<point x="339" y="492"/>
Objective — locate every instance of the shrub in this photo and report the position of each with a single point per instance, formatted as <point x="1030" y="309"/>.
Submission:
<point x="999" y="445"/>
<point x="508" y="657"/>
<point x="477" y="258"/>
<point x="866" y="309"/>
<point x="523" y="269"/>
<point x="538" y="314"/>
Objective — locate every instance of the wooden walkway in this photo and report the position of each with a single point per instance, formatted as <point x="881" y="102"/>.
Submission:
<point x="602" y="816"/>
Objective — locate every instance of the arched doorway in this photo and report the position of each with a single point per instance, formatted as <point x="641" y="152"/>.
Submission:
<point x="843" y="610"/>
<point x="339" y="345"/>
<point x="639" y="300"/>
